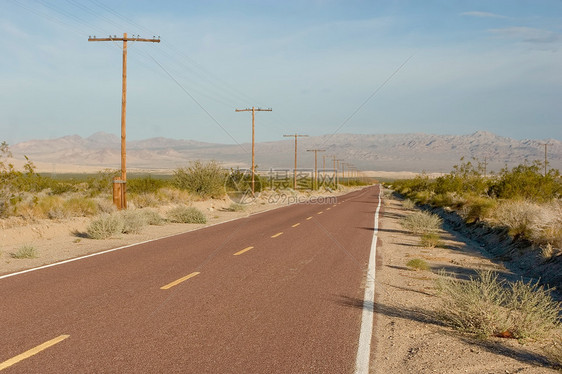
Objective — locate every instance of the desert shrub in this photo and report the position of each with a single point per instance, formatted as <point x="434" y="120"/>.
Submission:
<point x="102" y="181"/>
<point x="430" y="240"/>
<point x="105" y="204"/>
<point x="422" y="197"/>
<point x="518" y="216"/>
<point x="205" y="179"/>
<point x="408" y="204"/>
<point x="80" y="207"/>
<point x="25" y="251"/>
<point x="133" y="221"/>
<point x="144" y="199"/>
<point x="144" y="185"/>
<point x="477" y="208"/>
<point x="528" y="182"/>
<point x="487" y="306"/>
<point x="235" y="207"/>
<point x="59" y="188"/>
<point x="105" y="226"/>
<point x="152" y="217"/>
<point x="51" y="207"/>
<point x="421" y="222"/>
<point x="184" y="214"/>
<point x="418" y="264"/>
<point x="173" y="195"/>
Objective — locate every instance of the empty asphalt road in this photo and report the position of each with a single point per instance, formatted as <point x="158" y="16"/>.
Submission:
<point x="275" y="292"/>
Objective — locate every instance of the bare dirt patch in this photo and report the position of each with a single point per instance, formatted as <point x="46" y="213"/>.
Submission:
<point x="408" y="337"/>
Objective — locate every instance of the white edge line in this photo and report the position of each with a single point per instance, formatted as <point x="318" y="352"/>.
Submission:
<point x="134" y="244"/>
<point x="364" y="349"/>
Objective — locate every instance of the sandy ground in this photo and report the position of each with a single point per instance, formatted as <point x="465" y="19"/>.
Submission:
<point x="408" y="338"/>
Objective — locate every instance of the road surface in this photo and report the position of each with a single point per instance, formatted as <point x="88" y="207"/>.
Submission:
<point x="276" y="292"/>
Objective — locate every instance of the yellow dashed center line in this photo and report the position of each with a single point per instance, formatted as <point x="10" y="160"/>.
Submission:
<point x="276" y="235"/>
<point x="309" y="218"/>
<point x="319" y="212"/>
<point x="328" y="208"/>
<point x="175" y="283"/>
<point x="335" y="205"/>
<point x="243" y="251"/>
<point x="32" y="351"/>
<point x="296" y="224"/>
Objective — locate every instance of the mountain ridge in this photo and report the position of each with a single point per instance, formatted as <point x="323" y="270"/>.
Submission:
<point x="390" y="152"/>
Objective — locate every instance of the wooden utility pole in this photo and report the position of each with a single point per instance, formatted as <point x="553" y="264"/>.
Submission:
<point x="315" y="165"/>
<point x="545" y="158"/>
<point x="335" y="170"/>
<point x="120" y="185"/>
<point x="253" y="110"/>
<point x="295" y="170"/>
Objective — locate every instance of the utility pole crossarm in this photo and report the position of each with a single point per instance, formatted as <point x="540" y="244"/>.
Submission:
<point x="123" y="39"/>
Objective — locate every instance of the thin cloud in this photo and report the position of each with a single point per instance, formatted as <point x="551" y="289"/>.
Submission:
<point x="482" y="14"/>
<point x="528" y="34"/>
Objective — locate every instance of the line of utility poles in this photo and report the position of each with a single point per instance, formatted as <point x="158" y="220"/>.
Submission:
<point x="315" y="183"/>
<point x="296" y="136"/>
<point x="253" y="110"/>
<point x="120" y="185"/>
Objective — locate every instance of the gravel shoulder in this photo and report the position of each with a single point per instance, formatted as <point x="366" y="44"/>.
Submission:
<point x="408" y="338"/>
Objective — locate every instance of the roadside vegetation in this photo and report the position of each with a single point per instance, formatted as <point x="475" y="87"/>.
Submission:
<point x="27" y="197"/>
<point x="487" y="306"/>
<point x="523" y="200"/>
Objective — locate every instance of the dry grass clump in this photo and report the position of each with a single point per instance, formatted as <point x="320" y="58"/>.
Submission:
<point x="105" y="226"/>
<point x="152" y="217"/>
<point x="25" y="251"/>
<point x="431" y="240"/>
<point x="422" y="222"/>
<point x="133" y="221"/>
<point x="408" y="204"/>
<point x="487" y="306"/>
<point x="185" y="214"/>
<point x="145" y="199"/>
<point x="418" y="264"/>
<point x="541" y="224"/>
<point x="235" y="207"/>
<point x="80" y="207"/>
<point x="173" y="195"/>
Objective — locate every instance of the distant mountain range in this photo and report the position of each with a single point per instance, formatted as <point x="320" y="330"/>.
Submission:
<point x="386" y="152"/>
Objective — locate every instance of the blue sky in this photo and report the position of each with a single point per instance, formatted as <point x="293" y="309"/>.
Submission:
<point x="441" y="67"/>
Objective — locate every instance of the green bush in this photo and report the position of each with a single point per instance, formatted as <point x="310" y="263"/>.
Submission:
<point x="105" y="226"/>
<point x="529" y="183"/>
<point x="146" y="185"/>
<point x="205" y="179"/>
<point x="184" y="214"/>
